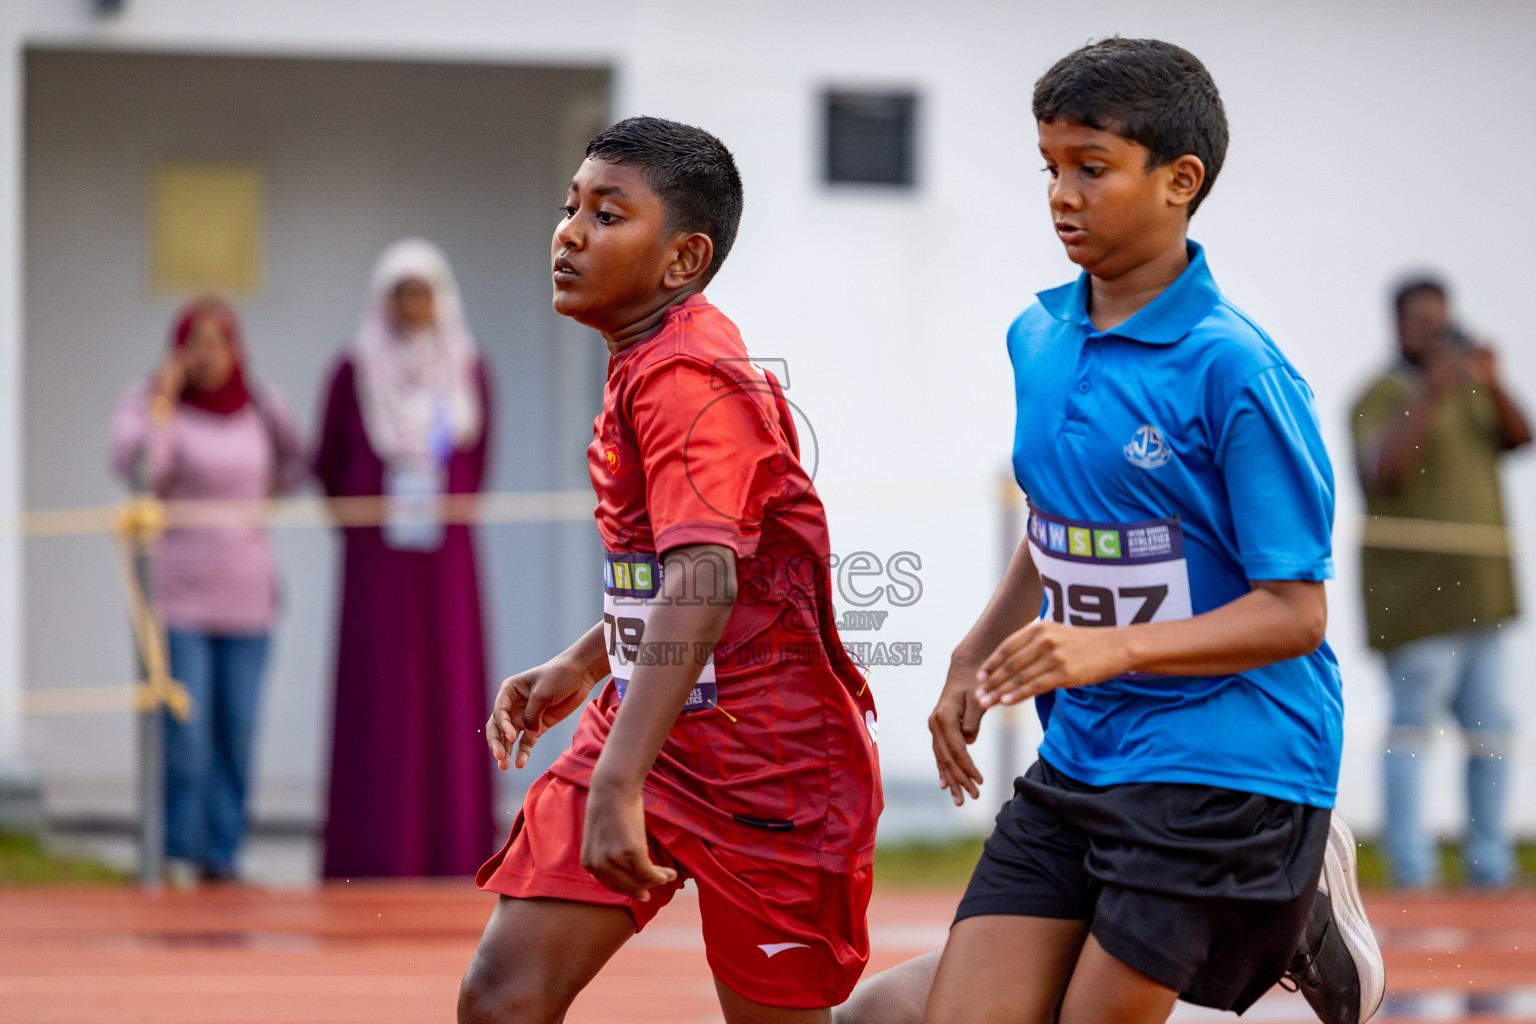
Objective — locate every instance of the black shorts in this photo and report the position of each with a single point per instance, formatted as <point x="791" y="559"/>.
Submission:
<point x="1204" y="890"/>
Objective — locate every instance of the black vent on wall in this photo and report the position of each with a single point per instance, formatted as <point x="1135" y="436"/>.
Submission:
<point x="871" y="138"/>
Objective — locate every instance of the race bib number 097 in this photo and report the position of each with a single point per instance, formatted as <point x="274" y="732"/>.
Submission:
<point x="1110" y="574"/>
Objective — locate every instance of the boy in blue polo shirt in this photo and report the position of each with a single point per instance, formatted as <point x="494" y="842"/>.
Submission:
<point x="1171" y="838"/>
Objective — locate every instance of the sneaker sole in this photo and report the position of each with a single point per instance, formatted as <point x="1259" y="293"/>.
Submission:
<point x="1343" y="888"/>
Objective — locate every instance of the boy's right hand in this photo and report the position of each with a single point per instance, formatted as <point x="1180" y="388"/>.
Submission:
<point x="530" y="702"/>
<point x="954" y="723"/>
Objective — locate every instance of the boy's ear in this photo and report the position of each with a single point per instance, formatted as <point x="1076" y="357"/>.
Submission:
<point x="692" y="253"/>
<point x="1185" y="176"/>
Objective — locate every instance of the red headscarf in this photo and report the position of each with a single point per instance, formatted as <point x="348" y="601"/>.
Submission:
<point x="231" y="396"/>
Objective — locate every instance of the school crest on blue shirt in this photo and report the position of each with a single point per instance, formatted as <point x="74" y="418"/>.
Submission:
<point x="1148" y="449"/>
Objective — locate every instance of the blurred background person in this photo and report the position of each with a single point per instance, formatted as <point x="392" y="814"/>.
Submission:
<point x="1429" y="435"/>
<point x="199" y="429"/>
<point x="406" y="418"/>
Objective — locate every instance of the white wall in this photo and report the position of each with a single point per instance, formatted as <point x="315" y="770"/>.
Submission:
<point x="14" y="773"/>
<point x="1354" y="133"/>
<point x="1367" y="138"/>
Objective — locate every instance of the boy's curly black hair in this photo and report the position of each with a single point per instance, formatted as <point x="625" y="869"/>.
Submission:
<point x="1145" y="90"/>
<point x="690" y="169"/>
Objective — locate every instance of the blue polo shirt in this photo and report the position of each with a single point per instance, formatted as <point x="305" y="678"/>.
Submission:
<point x="1186" y="413"/>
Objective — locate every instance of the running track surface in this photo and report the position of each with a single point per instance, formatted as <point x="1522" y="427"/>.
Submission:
<point x="395" y="952"/>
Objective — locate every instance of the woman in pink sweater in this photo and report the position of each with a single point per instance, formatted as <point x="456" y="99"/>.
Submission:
<point x="199" y="430"/>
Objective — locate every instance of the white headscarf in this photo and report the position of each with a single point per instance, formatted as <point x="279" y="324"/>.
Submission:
<point x="418" y="394"/>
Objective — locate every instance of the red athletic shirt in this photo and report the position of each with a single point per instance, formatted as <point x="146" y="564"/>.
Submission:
<point x="774" y="754"/>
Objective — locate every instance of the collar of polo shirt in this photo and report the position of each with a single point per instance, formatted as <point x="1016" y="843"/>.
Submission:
<point x="1163" y="321"/>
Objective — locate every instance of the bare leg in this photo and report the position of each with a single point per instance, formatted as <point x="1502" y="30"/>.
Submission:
<point x="894" y="996"/>
<point x="1105" y="989"/>
<point x="741" y="1010"/>
<point x="535" y="956"/>
<point x="1002" y="969"/>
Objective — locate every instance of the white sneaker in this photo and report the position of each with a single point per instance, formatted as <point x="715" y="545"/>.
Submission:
<point x="1338" y="965"/>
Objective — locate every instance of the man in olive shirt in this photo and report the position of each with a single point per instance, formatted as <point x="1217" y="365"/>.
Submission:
<point x="1436" y="571"/>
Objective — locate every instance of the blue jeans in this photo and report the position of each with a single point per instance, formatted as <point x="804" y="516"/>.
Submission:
<point x="1461" y="670"/>
<point x="208" y="758"/>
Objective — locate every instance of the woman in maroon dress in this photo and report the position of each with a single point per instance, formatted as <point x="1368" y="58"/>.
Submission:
<point x="406" y="418"/>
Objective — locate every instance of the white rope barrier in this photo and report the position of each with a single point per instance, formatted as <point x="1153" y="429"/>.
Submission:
<point x="302" y="513"/>
<point x="139" y="522"/>
<point x="1435" y="536"/>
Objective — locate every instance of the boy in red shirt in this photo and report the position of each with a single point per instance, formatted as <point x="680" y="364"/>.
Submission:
<point x="735" y="744"/>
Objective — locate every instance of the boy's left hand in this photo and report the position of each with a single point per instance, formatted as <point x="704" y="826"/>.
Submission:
<point x="614" y="847"/>
<point x="1046" y="656"/>
<point x="954" y="724"/>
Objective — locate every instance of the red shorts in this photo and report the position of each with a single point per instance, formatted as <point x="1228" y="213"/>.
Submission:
<point x="776" y="934"/>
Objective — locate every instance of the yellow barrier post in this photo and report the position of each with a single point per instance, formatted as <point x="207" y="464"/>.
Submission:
<point x="139" y="523"/>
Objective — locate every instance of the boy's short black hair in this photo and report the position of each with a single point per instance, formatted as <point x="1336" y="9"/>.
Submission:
<point x="1144" y="90"/>
<point x="690" y="169"/>
<point x="1413" y="287"/>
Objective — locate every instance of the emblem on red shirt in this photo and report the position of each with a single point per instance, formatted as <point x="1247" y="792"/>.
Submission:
<point x="611" y="457"/>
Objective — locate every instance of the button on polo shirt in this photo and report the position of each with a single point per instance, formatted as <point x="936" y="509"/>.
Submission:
<point x="1186" y="409"/>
